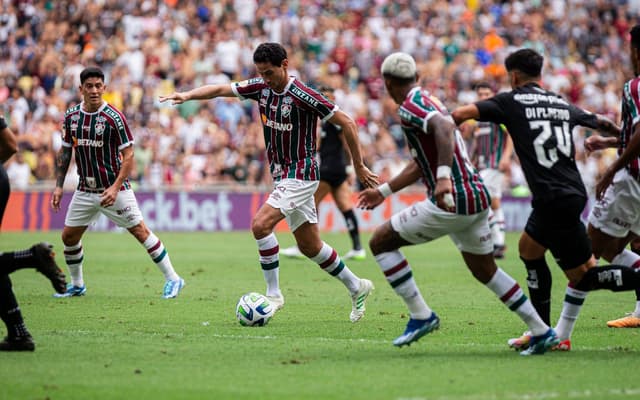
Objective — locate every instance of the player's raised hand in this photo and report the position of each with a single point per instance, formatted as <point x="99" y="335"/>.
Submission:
<point x="443" y="195"/>
<point x="369" y="199"/>
<point x="597" y="142"/>
<point x="175" y="97"/>
<point x="368" y="178"/>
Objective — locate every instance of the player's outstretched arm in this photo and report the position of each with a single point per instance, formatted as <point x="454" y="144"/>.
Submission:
<point x="200" y="93"/>
<point x="464" y="113"/>
<point x="607" y="127"/>
<point x="370" y="198"/>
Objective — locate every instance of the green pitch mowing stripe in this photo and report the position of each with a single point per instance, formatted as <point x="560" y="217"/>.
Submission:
<point x="122" y="340"/>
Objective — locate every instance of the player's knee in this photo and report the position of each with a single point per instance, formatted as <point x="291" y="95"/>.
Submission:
<point x="70" y="238"/>
<point x="378" y="244"/>
<point x="259" y="228"/>
<point x="310" y="250"/>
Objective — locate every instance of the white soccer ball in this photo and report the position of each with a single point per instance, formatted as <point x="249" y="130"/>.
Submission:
<point x="254" y="309"/>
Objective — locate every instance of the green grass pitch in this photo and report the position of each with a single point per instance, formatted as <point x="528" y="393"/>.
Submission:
<point x="123" y="341"/>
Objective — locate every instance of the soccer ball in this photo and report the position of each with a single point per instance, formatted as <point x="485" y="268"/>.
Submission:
<point x="254" y="309"/>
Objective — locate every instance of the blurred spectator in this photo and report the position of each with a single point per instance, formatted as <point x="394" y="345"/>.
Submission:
<point x="151" y="47"/>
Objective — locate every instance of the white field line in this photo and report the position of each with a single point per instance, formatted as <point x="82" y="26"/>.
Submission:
<point x="574" y="394"/>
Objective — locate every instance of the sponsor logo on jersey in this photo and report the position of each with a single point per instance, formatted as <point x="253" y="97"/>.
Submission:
<point x="279" y="126"/>
<point x="304" y="96"/>
<point x="88" y="142"/>
<point x="535" y="98"/>
<point x="288" y="100"/>
<point x="75" y="117"/>
<point x="90" y="181"/>
<point x="265" y="93"/>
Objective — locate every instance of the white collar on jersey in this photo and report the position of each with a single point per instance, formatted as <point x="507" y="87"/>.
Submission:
<point x="286" y="88"/>
<point x="104" y="104"/>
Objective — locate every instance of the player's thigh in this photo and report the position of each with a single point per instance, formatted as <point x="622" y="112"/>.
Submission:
<point x="124" y="212"/>
<point x="618" y="212"/>
<point x="560" y="229"/>
<point x="265" y="220"/>
<point x="83" y="209"/>
<point x="342" y="196"/>
<point x="295" y="200"/>
<point x="471" y="233"/>
<point x="422" y="222"/>
<point x="385" y="239"/>
<point x="323" y="189"/>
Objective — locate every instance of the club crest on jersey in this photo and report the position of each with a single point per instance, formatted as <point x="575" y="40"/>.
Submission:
<point x="100" y="125"/>
<point x="265" y="92"/>
<point x="286" y="110"/>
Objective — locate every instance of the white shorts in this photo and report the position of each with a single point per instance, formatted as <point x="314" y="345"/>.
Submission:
<point x="494" y="182"/>
<point x="294" y="199"/>
<point x="618" y="212"/>
<point x="85" y="208"/>
<point x="423" y="222"/>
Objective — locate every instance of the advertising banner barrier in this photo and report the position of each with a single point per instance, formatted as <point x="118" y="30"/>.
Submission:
<point x="219" y="211"/>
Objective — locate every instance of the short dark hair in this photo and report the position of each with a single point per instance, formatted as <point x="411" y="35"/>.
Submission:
<point x="526" y="61"/>
<point x="91" y="72"/>
<point x="483" y="85"/>
<point x="272" y="53"/>
<point x="325" y="88"/>
<point x="635" y="36"/>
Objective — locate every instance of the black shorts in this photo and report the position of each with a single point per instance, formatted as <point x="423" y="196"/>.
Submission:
<point x="557" y="226"/>
<point x="333" y="178"/>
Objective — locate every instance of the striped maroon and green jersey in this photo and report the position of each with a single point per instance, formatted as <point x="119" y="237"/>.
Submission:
<point x="289" y="120"/>
<point x="469" y="192"/>
<point x="488" y="146"/>
<point x="97" y="139"/>
<point x="630" y="117"/>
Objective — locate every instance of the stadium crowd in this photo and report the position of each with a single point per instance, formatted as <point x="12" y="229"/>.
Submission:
<point x="149" y="48"/>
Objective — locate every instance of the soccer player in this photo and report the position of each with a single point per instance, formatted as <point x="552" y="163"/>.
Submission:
<point x="39" y="256"/>
<point x="457" y="206"/>
<point x="103" y="145"/>
<point x="540" y="124"/>
<point x="289" y="112"/>
<point x="335" y="171"/>
<point x="490" y="153"/>
<point x="614" y="220"/>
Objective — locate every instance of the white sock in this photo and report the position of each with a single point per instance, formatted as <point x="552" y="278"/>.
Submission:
<point x="398" y="273"/>
<point x="73" y="256"/>
<point x="270" y="262"/>
<point x="497" y="231"/>
<point x="511" y="294"/>
<point x="573" y="301"/>
<point x="329" y="260"/>
<point x="627" y="258"/>
<point x="160" y="256"/>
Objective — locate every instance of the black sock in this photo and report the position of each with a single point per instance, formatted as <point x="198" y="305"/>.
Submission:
<point x="9" y="310"/>
<point x="617" y="278"/>
<point x="539" y="283"/>
<point x="352" y="225"/>
<point x="14" y="260"/>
